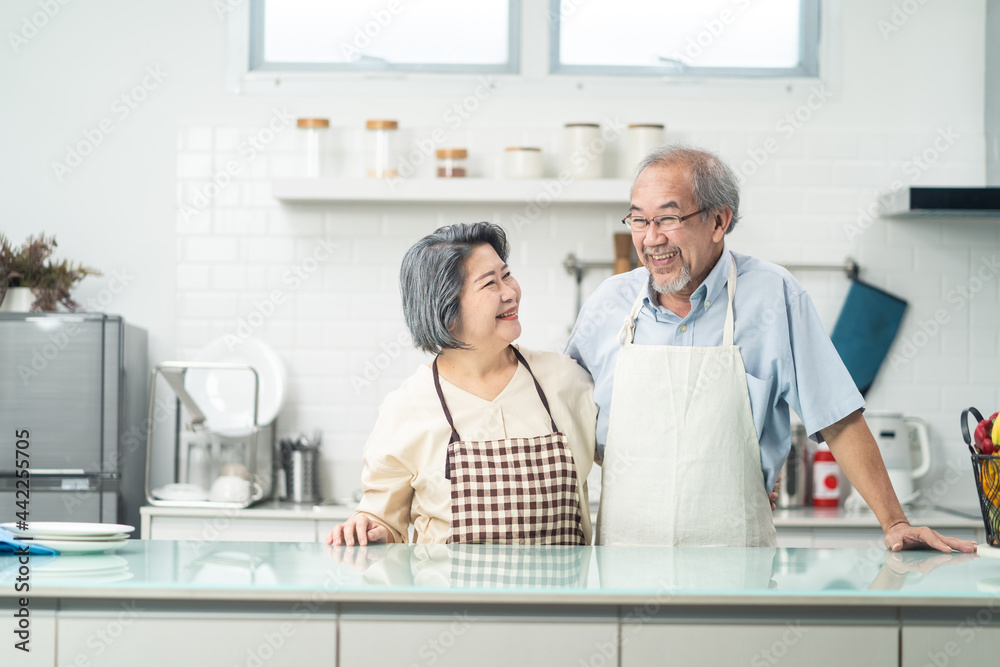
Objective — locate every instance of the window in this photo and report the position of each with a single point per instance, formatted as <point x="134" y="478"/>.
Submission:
<point x="731" y="38"/>
<point x="430" y="36"/>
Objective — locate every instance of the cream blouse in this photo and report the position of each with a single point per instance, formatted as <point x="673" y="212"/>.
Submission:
<point x="403" y="478"/>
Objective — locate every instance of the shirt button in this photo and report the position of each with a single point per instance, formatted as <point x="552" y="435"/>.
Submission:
<point x="708" y="303"/>
<point x="684" y="328"/>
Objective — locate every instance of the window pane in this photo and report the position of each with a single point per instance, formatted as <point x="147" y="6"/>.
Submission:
<point x="429" y="31"/>
<point x="705" y="34"/>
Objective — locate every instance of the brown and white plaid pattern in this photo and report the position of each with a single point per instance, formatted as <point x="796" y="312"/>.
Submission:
<point x="514" y="491"/>
<point x="507" y="566"/>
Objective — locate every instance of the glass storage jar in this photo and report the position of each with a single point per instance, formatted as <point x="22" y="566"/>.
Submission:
<point x="451" y="163"/>
<point x="314" y="129"/>
<point x="381" y="148"/>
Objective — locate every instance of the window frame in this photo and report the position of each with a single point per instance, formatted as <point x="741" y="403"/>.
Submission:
<point x="257" y="63"/>
<point x="809" y="46"/>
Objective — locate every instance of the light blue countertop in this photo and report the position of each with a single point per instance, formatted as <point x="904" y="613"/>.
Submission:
<point x="176" y="570"/>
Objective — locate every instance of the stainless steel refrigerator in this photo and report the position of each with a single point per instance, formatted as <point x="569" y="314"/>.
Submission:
<point x="73" y="390"/>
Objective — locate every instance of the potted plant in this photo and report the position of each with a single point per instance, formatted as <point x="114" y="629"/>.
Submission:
<point x="29" y="268"/>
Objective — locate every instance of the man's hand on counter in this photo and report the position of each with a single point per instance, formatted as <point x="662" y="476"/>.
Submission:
<point x="904" y="536"/>
<point x="359" y="529"/>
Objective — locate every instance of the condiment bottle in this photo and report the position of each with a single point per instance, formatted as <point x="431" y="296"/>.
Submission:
<point x="380" y="148"/>
<point x="523" y="162"/>
<point x="826" y="478"/>
<point x="583" y="150"/>
<point x="313" y="143"/>
<point x="451" y="162"/>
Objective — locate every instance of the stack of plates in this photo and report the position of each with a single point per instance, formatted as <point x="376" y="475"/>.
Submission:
<point x="73" y="537"/>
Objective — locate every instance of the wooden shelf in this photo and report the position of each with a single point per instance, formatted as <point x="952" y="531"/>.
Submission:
<point x="548" y="191"/>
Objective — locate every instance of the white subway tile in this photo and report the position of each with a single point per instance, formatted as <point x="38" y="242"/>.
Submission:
<point x="871" y="146"/>
<point x="211" y="249"/>
<point x="860" y="174"/>
<point x="198" y="139"/>
<point x="205" y="306"/>
<point x="194" y="165"/>
<point x="226" y="139"/>
<point x="192" y="333"/>
<point x="191" y="221"/>
<point x="795" y="173"/>
<point x="268" y="249"/>
<point x="229" y="277"/>
<point x="838" y="145"/>
<point x="193" y="277"/>
<point x="309" y="333"/>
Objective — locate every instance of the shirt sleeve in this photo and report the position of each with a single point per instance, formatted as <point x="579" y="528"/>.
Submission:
<point x="822" y="391"/>
<point x="387" y="482"/>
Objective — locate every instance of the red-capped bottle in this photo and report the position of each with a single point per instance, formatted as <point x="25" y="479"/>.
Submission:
<point x="826" y="478"/>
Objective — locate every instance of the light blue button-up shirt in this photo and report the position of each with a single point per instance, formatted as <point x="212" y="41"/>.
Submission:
<point x="788" y="356"/>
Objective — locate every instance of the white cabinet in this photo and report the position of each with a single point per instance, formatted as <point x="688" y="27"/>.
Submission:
<point x="130" y="637"/>
<point x="790" y="644"/>
<point x="968" y="643"/>
<point x="41" y="634"/>
<point x="269" y="523"/>
<point x="460" y="640"/>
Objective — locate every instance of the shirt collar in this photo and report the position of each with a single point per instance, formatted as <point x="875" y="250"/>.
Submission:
<point x="708" y="291"/>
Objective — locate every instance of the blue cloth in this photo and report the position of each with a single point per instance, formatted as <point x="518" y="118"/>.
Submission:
<point x="788" y="356"/>
<point x="865" y="330"/>
<point x="9" y="544"/>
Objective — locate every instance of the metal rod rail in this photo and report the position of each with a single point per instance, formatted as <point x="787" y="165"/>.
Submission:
<point x="849" y="266"/>
<point x="577" y="268"/>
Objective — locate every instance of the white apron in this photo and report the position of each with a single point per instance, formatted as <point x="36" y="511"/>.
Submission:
<point x="682" y="461"/>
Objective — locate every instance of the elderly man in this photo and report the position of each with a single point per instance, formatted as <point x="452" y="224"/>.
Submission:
<point x="696" y="359"/>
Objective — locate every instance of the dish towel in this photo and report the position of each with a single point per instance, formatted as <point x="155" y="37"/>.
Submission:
<point x="865" y="330"/>
<point x="9" y="544"/>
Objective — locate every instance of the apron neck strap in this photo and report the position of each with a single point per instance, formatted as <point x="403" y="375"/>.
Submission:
<point x="627" y="333"/>
<point x="447" y="413"/>
<point x="727" y="333"/>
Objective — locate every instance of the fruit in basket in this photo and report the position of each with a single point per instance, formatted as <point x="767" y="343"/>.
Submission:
<point x="995" y="431"/>
<point x="984" y="438"/>
<point x="991" y="481"/>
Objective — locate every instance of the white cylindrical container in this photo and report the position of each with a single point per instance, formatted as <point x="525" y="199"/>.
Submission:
<point x="523" y="162"/>
<point x="583" y="150"/>
<point x="314" y="129"/>
<point x="642" y="138"/>
<point x="380" y="148"/>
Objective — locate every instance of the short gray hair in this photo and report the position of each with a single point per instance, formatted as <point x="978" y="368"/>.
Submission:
<point x="713" y="182"/>
<point x="432" y="276"/>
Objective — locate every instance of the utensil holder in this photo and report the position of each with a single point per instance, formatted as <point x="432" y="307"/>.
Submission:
<point x="302" y="480"/>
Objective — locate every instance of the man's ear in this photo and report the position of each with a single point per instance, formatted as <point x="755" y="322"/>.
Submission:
<point x="722" y="219"/>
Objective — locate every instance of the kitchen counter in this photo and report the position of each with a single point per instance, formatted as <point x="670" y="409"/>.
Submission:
<point x="564" y="604"/>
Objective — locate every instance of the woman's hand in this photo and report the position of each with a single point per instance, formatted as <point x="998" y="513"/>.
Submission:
<point x="359" y="528"/>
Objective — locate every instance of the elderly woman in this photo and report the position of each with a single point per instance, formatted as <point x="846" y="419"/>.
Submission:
<point x="490" y="443"/>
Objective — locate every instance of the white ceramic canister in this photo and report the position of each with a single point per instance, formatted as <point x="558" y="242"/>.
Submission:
<point x="314" y="144"/>
<point x="523" y="162"/>
<point x="642" y="138"/>
<point x="583" y="150"/>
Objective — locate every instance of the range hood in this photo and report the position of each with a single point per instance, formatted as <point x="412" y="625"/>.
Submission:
<point x="964" y="202"/>
<point x="916" y="202"/>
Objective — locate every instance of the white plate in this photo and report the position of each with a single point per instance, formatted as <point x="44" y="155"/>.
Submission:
<point x="64" y="529"/>
<point x="77" y="538"/>
<point x="180" y="492"/>
<point x="73" y="547"/>
<point x="226" y="396"/>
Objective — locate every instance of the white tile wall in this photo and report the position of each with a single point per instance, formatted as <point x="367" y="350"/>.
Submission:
<point x="340" y="331"/>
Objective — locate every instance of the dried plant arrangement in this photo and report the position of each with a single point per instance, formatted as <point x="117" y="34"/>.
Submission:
<point x="30" y="266"/>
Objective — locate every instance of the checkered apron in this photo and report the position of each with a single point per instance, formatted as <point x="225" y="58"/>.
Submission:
<point x="515" y="490"/>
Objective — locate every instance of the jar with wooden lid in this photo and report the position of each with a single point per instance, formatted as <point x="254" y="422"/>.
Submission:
<point x="583" y="150"/>
<point x="451" y="162"/>
<point x="381" y="148"/>
<point x="523" y="162"/>
<point x="313" y="131"/>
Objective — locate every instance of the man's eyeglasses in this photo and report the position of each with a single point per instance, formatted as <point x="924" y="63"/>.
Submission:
<point x="665" y="223"/>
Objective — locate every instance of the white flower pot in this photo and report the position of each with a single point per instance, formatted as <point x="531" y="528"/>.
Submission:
<point x="17" y="300"/>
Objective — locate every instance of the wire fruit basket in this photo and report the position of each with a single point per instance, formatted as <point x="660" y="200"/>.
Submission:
<point x="986" y="469"/>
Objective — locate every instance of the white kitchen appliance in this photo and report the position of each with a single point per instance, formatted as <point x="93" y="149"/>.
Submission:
<point x="905" y="449"/>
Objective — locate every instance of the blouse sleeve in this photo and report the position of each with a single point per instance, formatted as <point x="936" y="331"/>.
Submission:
<point x="387" y="482"/>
